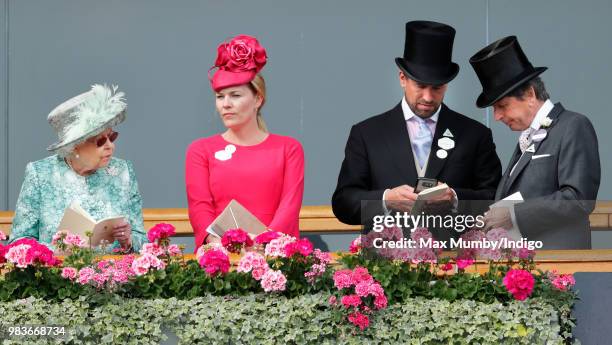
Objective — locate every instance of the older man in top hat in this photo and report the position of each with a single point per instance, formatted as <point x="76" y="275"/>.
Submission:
<point x="555" y="165"/>
<point x="419" y="137"/>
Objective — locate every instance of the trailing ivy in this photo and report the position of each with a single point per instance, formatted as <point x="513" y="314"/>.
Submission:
<point x="272" y="319"/>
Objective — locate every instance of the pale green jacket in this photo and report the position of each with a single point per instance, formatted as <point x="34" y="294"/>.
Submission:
<point x="50" y="186"/>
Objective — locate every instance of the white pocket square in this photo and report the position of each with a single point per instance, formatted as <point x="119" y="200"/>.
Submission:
<point x="540" y="156"/>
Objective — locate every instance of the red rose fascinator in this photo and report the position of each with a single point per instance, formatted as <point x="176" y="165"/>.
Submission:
<point x="238" y="62"/>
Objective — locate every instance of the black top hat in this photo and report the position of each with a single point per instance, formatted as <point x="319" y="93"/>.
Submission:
<point x="502" y="67"/>
<point x="427" y="53"/>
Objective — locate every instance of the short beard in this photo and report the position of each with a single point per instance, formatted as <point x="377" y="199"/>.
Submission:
<point x="422" y="114"/>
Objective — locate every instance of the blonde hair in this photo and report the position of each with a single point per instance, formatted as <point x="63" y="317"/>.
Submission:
<point x="258" y="86"/>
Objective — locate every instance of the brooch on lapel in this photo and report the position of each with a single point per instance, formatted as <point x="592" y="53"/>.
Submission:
<point x="226" y="153"/>
<point x="113" y="171"/>
<point x="445" y="143"/>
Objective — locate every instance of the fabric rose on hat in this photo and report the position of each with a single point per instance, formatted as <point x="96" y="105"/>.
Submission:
<point x="243" y="53"/>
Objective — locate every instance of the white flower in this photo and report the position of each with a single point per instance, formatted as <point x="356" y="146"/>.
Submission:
<point x="545" y="122"/>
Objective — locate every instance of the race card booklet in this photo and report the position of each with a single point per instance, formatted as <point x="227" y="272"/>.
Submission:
<point x="236" y="216"/>
<point x="427" y="195"/>
<point x="78" y="221"/>
<point x="509" y="203"/>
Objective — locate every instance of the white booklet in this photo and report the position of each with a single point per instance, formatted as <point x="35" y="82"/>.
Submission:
<point x="78" y="221"/>
<point x="509" y="203"/>
<point x="427" y="195"/>
<point x="236" y="216"/>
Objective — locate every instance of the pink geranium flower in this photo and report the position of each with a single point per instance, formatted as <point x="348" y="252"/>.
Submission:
<point x="110" y="273"/>
<point x="360" y="274"/>
<point x="355" y="245"/>
<point x="362" y="289"/>
<point x="152" y="248"/>
<point x="302" y="246"/>
<point x="349" y="301"/>
<point x="174" y="250"/>
<point x="523" y="253"/>
<point x="19" y="255"/>
<point x="360" y="320"/>
<point x="36" y="254"/>
<point x="495" y="235"/>
<point x="99" y="279"/>
<point x="142" y="264"/>
<point x="561" y="282"/>
<point x="376" y="290"/>
<point x="85" y="275"/>
<point x="235" y="239"/>
<point x="380" y="301"/>
<point x="342" y="279"/>
<point x="266" y="237"/>
<point x="75" y="240"/>
<point x="473" y="237"/>
<point x="161" y="231"/>
<point x="3" y="250"/>
<point x="322" y="259"/>
<point x="447" y="267"/>
<point x="464" y="263"/>
<point x="69" y="273"/>
<point x="257" y="273"/>
<point x="273" y="280"/>
<point x="332" y="300"/>
<point x="357" y="287"/>
<point x="215" y="262"/>
<point x="519" y="283"/>
<point x="250" y="261"/>
<point x="276" y="247"/>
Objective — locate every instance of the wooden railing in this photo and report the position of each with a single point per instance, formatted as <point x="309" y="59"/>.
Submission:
<point x="312" y="219"/>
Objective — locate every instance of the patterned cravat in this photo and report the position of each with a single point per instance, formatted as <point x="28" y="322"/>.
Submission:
<point x="524" y="139"/>
<point x="421" y="144"/>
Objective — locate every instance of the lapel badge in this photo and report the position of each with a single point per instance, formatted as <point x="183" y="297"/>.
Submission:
<point x="447" y="133"/>
<point x="531" y="148"/>
<point x="441" y="154"/>
<point x="446" y="143"/>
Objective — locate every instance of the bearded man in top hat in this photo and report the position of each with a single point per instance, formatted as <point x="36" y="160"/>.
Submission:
<point x="555" y="165"/>
<point x="419" y="137"/>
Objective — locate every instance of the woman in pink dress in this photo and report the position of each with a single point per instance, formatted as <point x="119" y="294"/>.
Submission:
<point x="262" y="171"/>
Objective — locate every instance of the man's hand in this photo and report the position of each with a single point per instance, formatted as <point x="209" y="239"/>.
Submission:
<point x="498" y="217"/>
<point x="400" y="198"/>
<point x="441" y="203"/>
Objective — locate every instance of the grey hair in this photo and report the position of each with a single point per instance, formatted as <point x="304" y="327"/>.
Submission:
<point x="538" y="88"/>
<point x="65" y="151"/>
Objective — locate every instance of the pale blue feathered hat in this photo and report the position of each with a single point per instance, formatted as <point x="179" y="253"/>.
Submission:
<point x="86" y="116"/>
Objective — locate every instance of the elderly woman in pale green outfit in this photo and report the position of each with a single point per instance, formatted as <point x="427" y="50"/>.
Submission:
<point x="82" y="170"/>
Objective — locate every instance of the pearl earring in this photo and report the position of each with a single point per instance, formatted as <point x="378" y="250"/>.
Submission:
<point x="76" y="156"/>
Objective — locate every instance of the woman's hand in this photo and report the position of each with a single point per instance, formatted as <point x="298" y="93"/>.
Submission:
<point x="212" y="239"/>
<point x="123" y="233"/>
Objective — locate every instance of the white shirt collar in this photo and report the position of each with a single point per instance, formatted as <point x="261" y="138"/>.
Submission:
<point x="541" y="114"/>
<point x="408" y="114"/>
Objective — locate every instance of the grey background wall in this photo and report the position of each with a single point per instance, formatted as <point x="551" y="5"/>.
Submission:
<point x="331" y="65"/>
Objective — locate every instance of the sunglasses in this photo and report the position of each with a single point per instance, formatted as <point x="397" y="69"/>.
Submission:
<point x="100" y="141"/>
